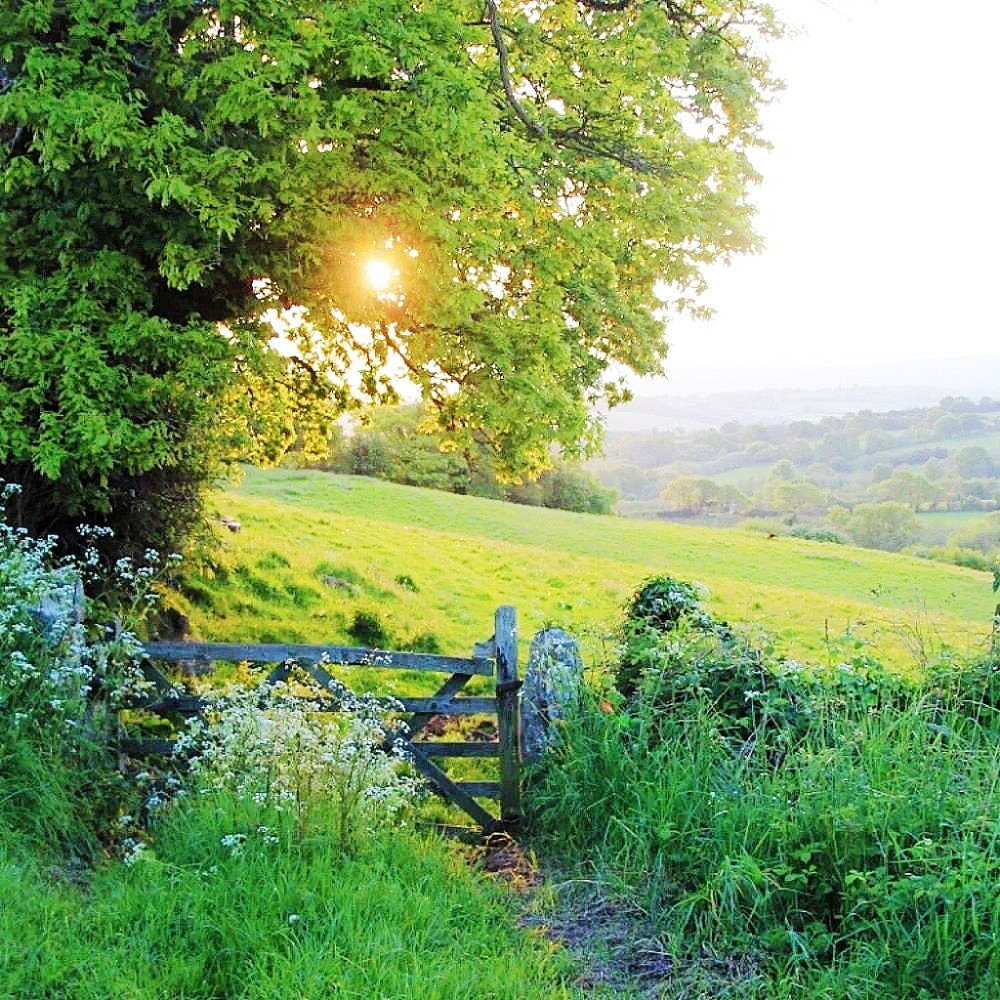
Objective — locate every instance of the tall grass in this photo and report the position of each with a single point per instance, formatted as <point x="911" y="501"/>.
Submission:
<point x="195" y="918"/>
<point x="856" y="857"/>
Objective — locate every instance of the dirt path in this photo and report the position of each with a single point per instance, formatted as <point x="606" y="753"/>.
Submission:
<point x="613" y="943"/>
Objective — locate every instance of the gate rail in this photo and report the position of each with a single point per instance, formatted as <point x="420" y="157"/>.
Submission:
<point x="496" y="657"/>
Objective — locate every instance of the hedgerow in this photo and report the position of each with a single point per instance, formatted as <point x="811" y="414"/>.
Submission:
<point x="837" y="825"/>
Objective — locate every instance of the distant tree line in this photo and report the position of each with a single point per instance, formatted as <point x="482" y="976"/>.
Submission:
<point x="863" y="477"/>
<point x="393" y="444"/>
<point x="941" y="457"/>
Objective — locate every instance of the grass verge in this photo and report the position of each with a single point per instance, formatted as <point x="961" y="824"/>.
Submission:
<point x="846" y="845"/>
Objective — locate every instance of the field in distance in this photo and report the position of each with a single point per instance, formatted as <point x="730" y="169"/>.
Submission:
<point x="322" y="558"/>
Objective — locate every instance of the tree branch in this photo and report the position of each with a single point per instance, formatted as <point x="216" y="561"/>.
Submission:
<point x="496" y="30"/>
<point x="371" y="83"/>
<point x="676" y="13"/>
<point x="15" y="139"/>
<point x="576" y="139"/>
<point x="595" y="146"/>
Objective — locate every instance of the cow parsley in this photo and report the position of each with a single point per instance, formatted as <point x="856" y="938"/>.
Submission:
<point x="289" y="748"/>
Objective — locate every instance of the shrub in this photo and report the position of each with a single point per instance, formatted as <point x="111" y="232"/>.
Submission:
<point x="367" y="629"/>
<point x="890" y="526"/>
<point x="759" y="707"/>
<point x="425" y="642"/>
<point x="662" y="601"/>
<point x="838" y="825"/>
<point x="983" y="536"/>
<point x="62" y="679"/>
<point x="564" y="487"/>
<point x="657" y="607"/>
<point x="957" y="556"/>
<point x="813" y="534"/>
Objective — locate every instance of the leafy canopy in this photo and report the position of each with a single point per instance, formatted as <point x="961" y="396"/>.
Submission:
<point x="540" y="184"/>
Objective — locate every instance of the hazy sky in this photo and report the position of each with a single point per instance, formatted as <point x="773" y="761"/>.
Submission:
<point x="880" y="205"/>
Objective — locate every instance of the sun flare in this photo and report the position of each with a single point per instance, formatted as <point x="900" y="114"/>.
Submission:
<point x="380" y="275"/>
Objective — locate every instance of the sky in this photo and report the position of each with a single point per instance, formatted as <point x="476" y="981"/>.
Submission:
<point x="880" y="204"/>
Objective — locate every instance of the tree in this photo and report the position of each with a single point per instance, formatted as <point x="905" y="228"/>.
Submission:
<point x="890" y="526"/>
<point x="912" y="488"/>
<point x="983" y="535"/>
<point x="530" y="189"/>
<point x="974" y="461"/>
<point x="690" y="495"/>
<point x="782" y="471"/>
<point x="795" y="496"/>
<point x="391" y="446"/>
<point x="838" y="447"/>
<point x="627" y="480"/>
<point x="876" y="440"/>
<point x="784" y="492"/>
<point x="564" y="487"/>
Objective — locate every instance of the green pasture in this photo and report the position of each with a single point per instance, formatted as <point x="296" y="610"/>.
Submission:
<point x="745" y="477"/>
<point x="936" y="527"/>
<point x="316" y="550"/>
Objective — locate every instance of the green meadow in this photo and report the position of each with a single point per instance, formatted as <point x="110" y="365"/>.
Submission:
<point x="729" y="828"/>
<point x="317" y="551"/>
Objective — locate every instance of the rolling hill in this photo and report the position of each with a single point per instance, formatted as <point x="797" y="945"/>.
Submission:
<point x="320" y="556"/>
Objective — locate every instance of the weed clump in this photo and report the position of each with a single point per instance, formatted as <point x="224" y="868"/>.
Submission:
<point x="270" y="751"/>
<point x="676" y="659"/>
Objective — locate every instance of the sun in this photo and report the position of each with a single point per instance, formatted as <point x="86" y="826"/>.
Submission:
<point x="379" y="274"/>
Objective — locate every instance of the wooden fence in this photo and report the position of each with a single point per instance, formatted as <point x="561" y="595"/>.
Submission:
<point x="496" y="658"/>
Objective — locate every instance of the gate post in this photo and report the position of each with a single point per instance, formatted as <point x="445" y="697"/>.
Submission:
<point x="508" y="713"/>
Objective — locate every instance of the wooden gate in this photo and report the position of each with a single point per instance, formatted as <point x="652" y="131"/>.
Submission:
<point x="496" y="658"/>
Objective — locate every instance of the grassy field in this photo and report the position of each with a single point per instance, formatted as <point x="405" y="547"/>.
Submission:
<point x="847" y="849"/>
<point x="316" y="550"/>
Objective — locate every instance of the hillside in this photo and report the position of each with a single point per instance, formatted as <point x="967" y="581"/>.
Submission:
<point x="924" y="476"/>
<point x="319" y="556"/>
<point x="821" y="835"/>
